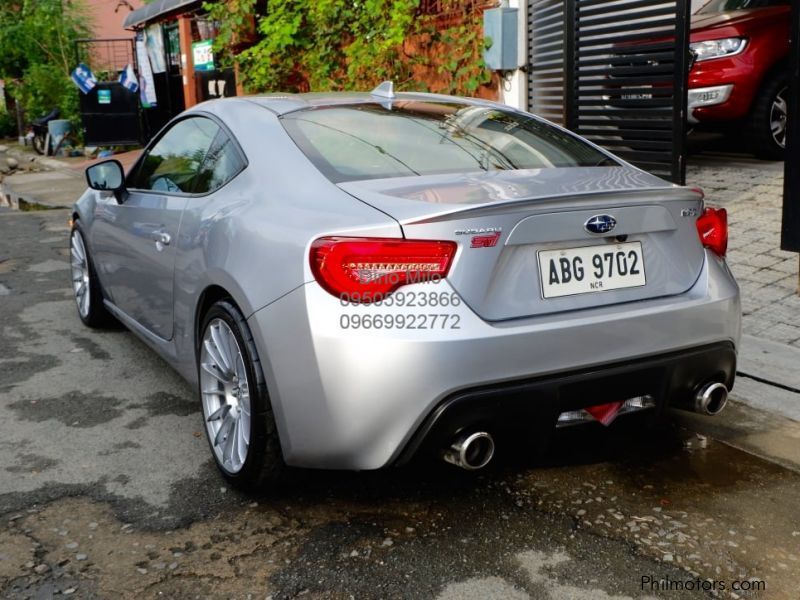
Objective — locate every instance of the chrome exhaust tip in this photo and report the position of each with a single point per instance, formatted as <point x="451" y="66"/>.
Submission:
<point x="711" y="399"/>
<point x="470" y="451"/>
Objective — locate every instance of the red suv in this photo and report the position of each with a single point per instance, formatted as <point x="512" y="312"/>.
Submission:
<point x="740" y="73"/>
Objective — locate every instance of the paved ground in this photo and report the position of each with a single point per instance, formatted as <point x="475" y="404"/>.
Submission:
<point x="751" y="191"/>
<point x="107" y="489"/>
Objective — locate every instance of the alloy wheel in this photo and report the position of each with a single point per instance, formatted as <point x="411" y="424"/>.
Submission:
<point x="80" y="273"/>
<point x="226" y="395"/>
<point x="777" y="118"/>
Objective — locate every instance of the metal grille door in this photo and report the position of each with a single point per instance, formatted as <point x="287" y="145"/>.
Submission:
<point x="624" y="70"/>
<point x="546" y="59"/>
<point x="790" y="230"/>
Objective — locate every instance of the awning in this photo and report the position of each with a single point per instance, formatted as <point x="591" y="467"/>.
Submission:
<point x="152" y="11"/>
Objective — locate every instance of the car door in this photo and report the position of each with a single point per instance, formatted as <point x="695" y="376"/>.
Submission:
<point x="135" y="240"/>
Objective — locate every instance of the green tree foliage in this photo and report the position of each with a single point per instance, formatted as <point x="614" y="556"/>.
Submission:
<point x="348" y="45"/>
<point x="37" y="53"/>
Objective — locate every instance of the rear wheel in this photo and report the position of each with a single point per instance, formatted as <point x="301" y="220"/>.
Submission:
<point x="767" y="130"/>
<point x="39" y="143"/>
<point x="237" y="413"/>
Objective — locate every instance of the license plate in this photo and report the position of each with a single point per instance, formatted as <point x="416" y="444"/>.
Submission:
<point x="637" y="96"/>
<point x="589" y="269"/>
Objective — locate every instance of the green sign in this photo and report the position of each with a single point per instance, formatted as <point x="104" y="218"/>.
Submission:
<point x="104" y="96"/>
<point x="203" y="55"/>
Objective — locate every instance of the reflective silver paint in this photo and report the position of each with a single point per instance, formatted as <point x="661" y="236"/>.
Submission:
<point x="359" y="395"/>
<point x="351" y="398"/>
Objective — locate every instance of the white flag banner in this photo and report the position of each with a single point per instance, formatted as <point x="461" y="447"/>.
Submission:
<point x="147" y="87"/>
<point x="128" y="79"/>
<point x="154" y="42"/>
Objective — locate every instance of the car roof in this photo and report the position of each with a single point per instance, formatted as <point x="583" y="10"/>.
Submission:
<point x="282" y="104"/>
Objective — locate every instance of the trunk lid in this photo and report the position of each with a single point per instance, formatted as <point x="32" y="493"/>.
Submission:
<point x="515" y="227"/>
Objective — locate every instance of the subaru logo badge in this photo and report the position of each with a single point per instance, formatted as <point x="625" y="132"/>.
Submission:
<point x="600" y="224"/>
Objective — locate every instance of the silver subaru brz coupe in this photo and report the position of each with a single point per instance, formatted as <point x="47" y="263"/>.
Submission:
<point x="351" y="280"/>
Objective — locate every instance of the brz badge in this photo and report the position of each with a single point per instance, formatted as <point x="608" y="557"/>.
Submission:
<point x="600" y="224"/>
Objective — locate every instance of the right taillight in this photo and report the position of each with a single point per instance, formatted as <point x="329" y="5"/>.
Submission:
<point x="712" y="226"/>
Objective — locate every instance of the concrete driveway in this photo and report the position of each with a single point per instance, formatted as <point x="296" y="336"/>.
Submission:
<point x="107" y="489"/>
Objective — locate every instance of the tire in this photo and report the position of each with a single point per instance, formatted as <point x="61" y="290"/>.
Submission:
<point x="767" y="126"/>
<point x="39" y="142"/>
<point x="85" y="285"/>
<point x="237" y="416"/>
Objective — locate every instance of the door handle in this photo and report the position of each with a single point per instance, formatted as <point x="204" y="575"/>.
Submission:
<point x="162" y="237"/>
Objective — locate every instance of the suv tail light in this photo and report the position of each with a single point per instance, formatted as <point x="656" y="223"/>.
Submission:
<point x="712" y="226"/>
<point x="366" y="269"/>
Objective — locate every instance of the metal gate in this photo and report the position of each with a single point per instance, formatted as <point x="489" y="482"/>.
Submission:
<point x="614" y="71"/>
<point x="790" y="230"/>
<point x="110" y="112"/>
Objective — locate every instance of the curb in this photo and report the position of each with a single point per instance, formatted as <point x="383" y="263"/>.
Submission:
<point x="13" y="200"/>
<point x="45" y="161"/>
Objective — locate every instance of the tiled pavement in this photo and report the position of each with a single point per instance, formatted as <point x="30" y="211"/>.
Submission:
<point x="752" y="192"/>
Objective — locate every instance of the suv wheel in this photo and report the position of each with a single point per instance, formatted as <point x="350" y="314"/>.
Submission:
<point x="768" y="120"/>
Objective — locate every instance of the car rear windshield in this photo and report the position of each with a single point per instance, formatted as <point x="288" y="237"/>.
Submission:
<point x="370" y="141"/>
<point x="718" y="6"/>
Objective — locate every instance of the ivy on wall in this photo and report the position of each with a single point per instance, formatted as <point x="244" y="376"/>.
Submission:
<point x="296" y="45"/>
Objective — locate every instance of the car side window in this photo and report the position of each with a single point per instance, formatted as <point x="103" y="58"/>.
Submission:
<point x="172" y="164"/>
<point x="222" y="163"/>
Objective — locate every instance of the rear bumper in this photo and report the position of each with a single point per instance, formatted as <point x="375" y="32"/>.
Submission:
<point x="521" y="409"/>
<point x="353" y="399"/>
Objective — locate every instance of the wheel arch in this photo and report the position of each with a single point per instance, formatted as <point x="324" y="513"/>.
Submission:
<point x="208" y="297"/>
<point x="780" y="66"/>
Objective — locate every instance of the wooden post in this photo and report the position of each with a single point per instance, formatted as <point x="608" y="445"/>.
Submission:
<point x="239" y="86"/>
<point x="187" y="61"/>
<point x="20" y="124"/>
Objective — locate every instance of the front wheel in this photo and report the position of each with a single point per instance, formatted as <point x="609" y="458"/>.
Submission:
<point x="85" y="285"/>
<point x="767" y="128"/>
<point x="237" y="413"/>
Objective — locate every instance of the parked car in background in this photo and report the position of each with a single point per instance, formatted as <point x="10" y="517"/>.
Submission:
<point x="739" y="77"/>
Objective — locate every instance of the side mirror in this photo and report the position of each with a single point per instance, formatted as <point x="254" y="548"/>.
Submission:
<point x="107" y="176"/>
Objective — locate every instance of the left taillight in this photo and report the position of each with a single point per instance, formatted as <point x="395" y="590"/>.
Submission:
<point x="367" y="269"/>
<point x="712" y="226"/>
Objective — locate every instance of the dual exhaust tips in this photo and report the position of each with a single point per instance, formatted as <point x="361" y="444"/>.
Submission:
<point x="474" y="450"/>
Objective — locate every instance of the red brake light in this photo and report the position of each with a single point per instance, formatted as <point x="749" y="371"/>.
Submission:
<point x="712" y="226"/>
<point x="367" y="269"/>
